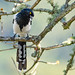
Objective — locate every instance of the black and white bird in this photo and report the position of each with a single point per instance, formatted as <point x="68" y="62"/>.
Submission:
<point x="21" y="26"/>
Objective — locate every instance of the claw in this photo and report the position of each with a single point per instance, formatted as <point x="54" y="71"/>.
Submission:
<point x="27" y="37"/>
<point x="13" y="36"/>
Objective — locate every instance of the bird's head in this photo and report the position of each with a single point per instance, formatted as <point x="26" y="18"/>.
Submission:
<point x="27" y="12"/>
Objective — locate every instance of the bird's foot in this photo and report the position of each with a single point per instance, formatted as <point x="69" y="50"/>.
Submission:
<point x="13" y="37"/>
<point x="27" y="37"/>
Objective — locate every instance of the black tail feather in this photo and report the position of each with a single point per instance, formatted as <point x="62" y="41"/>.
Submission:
<point x="22" y="56"/>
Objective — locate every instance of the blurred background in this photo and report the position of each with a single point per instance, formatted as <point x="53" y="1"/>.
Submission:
<point x="56" y="36"/>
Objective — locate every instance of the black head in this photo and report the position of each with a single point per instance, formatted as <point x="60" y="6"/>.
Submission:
<point x="28" y="12"/>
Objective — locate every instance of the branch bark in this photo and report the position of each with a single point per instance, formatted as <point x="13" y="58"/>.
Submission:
<point x="70" y="64"/>
<point x="68" y="42"/>
<point x="15" y="39"/>
<point x="36" y="3"/>
<point x="66" y="3"/>
<point x="55" y="21"/>
<point x="44" y="10"/>
<point x="66" y="25"/>
<point x="15" y="1"/>
<point x="9" y="13"/>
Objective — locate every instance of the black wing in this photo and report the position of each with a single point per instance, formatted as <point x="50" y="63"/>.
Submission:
<point x="22" y="20"/>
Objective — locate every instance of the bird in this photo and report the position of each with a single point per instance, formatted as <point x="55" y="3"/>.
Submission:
<point x="22" y="22"/>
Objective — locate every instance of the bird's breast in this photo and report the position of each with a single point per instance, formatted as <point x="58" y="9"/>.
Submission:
<point x="25" y="29"/>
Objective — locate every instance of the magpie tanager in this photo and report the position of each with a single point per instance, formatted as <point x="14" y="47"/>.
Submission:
<point x="21" y="26"/>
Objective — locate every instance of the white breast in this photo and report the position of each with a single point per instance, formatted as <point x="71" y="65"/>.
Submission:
<point x="17" y="30"/>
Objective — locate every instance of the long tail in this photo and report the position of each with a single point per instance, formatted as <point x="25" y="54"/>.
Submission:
<point x="22" y="56"/>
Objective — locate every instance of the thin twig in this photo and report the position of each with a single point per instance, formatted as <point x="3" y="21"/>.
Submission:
<point x="35" y="4"/>
<point x="15" y="1"/>
<point x="36" y="61"/>
<point x="66" y="25"/>
<point x="66" y="3"/>
<point x="14" y="62"/>
<point x="70" y="64"/>
<point x="34" y="70"/>
<point x="44" y="10"/>
<point x="15" y="11"/>
<point x="9" y="13"/>
<point x="15" y="66"/>
<point x="51" y="2"/>
<point x="50" y="63"/>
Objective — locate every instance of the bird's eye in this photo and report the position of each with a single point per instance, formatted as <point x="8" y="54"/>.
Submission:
<point x="29" y="12"/>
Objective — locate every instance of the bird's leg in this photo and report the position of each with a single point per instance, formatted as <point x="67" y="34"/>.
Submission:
<point x="27" y="37"/>
<point x="13" y="36"/>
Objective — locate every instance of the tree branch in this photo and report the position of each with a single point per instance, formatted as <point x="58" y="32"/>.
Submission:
<point x="66" y="3"/>
<point x="15" y="65"/>
<point x="15" y="11"/>
<point x="2" y="13"/>
<point x="44" y="10"/>
<point x="50" y="63"/>
<point x="55" y="21"/>
<point x="9" y="13"/>
<point x="15" y="39"/>
<point x="51" y="2"/>
<point x="34" y="62"/>
<point x="66" y="25"/>
<point x="68" y="42"/>
<point x="15" y="1"/>
<point x="36" y="3"/>
<point x="70" y="64"/>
